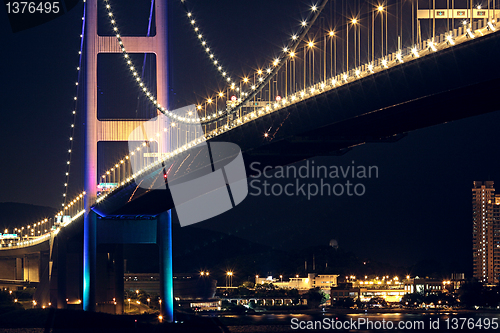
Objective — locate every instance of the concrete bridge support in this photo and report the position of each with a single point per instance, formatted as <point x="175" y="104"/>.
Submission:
<point x="31" y="267"/>
<point x="111" y="234"/>
<point x="11" y="268"/>
<point x="95" y="131"/>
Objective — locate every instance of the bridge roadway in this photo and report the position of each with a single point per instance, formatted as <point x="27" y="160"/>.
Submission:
<point x="451" y="84"/>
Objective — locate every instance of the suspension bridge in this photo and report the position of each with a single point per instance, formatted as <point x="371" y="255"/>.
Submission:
<point x="356" y="73"/>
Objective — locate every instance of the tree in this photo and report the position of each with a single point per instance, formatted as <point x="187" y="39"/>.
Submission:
<point x="412" y="300"/>
<point x="7" y="303"/>
<point x="242" y="291"/>
<point x="471" y="294"/>
<point x="247" y="284"/>
<point x="315" y="297"/>
<point x="345" y="302"/>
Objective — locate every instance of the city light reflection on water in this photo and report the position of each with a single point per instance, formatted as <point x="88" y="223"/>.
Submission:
<point x="264" y="323"/>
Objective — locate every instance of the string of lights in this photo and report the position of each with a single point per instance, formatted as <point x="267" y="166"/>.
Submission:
<point x="73" y="112"/>
<point x="205" y="45"/>
<point x="263" y="80"/>
<point x="142" y="86"/>
<point x="265" y="76"/>
<point x="74" y="208"/>
<point x="308" y="92"/>
<point x="277" y="63"/>
<point x="33" y="230"/>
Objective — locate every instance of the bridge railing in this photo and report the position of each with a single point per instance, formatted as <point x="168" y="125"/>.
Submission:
<point x="32" y="241"/>
<point x="123" y="174"/>
<point x="246" y="115"/>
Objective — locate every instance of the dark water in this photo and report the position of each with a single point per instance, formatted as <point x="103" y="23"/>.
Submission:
<point x="371" y="322"/>
<point x="22" y="330"/>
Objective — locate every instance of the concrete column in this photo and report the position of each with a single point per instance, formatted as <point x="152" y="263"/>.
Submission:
<point x="42" y="293"/>
<point x="8" y="268"/>
<point x="61" y="272"/>
<point x="164" y="240"/>
<point x="89" y="262"/>
<point x="90" y="179"/>
<point x="93" y="46"/>
<point x="31" y="267"/>
<point x="43" y="265"/>
<point x="19" y="269"/>
<point x="119" y="284"/>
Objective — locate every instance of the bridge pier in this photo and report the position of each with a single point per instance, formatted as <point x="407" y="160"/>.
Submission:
<point x="118" y="282"/>
<point x="62" y="268"/>
<point x="164" y="241"/>
<point x="10" y="268"/>
<point x="117" y="230"/>
<point x="42" y="293"/>
<point x="106" y="269"/>
<point x="19" y="269"/>
<point x="32" y="266"/>
<point x="89" y="261"/>
<point x="110" y="285"/>
<point x="58" y="282"/>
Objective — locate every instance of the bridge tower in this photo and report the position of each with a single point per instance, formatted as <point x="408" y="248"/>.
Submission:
<point x="97" y="130"/>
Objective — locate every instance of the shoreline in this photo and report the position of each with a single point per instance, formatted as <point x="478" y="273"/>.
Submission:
<point x="354" y="311"/>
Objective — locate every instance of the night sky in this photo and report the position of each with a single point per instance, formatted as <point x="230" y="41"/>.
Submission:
<point x="419" y="207"/>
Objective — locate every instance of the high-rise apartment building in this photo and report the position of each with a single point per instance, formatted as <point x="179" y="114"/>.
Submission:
<point x="486" y="232"/>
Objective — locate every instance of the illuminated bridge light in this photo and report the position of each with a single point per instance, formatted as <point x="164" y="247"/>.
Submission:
<point x="432" y="46"/>
<point x="294" y="96"/>
<point x="491" y="27"/>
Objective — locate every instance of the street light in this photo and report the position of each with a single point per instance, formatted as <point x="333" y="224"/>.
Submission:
<point x="333" y="51"/>
<point x="128" y="304"/>
<point x="310" y="45"/>
<point x="380" y="9"/>
<point x="229" y="276"/>
<point x="354" y="21"/>
<point x="220" y="95"/>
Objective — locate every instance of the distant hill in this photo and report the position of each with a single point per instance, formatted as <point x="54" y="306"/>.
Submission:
<point x="13" y="214"/>
<point x="197" y="249"/>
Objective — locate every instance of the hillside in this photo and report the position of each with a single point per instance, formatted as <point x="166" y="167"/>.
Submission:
<point x="13" y="214"/>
